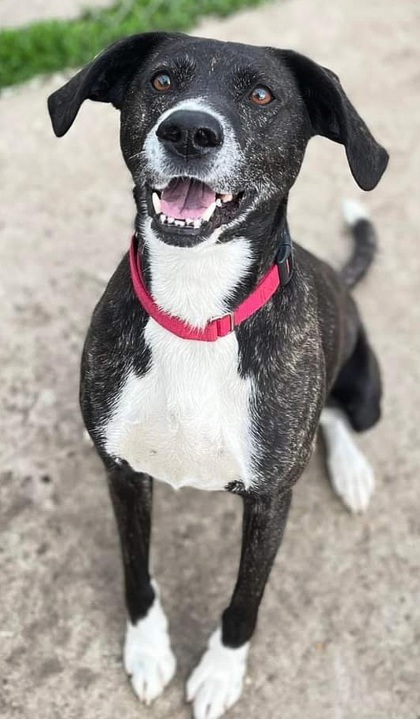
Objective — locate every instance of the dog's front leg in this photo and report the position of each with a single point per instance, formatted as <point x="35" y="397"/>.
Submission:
<point x="148" y="658"/>
<point x="216" y="683"/>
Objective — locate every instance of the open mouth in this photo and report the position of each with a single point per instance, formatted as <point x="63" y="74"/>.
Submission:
<point x="191" y="206"/>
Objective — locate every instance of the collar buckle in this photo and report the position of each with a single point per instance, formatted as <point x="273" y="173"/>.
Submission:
<point x="220" y="322"/>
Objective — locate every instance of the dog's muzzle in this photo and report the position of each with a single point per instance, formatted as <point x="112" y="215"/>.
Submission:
<point x="190" y="133"/>
<point x="191" y="152"/>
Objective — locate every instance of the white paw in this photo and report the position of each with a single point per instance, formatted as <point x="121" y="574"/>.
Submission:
<point x="148" y="657"/>
<point x="350" y="473"/>
<point x="217" y="682"/>
<point x="352" y="478"/>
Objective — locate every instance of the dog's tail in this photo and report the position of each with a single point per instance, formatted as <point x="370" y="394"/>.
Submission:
<point x="364" y="243"/>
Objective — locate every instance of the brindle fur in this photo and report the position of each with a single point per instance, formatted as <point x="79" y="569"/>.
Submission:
<point x="303" y="349"/>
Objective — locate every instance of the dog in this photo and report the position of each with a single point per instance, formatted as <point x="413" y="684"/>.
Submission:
<point x="219" y="346"/>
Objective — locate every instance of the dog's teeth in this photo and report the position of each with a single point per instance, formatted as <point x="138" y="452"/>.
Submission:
<point x="171" y="220"/>
<point x="197" y="223"/>
<point x="162" y="218"/>
<point x="180" y="223"/>
<point x="227" y="198"/>
<point x="189" y="221"/>
<point x="208" y="213"/>
<point x="219" y="202"/>
<point x="156" y="202"/>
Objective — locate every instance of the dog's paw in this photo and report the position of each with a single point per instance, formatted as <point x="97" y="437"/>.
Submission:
<point x="217" y="681"/>
<point x="352" y="477"/>
<point x="350" y="473"/>
<point x="148" y="657"/>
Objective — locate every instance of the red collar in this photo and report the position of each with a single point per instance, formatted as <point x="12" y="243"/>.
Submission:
<point x="278" y="276"/>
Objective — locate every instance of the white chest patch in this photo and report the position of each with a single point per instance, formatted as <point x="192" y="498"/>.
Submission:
<point x="186" y="422"/>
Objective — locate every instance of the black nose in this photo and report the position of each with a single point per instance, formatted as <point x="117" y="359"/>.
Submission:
<point x="190" y="133"/>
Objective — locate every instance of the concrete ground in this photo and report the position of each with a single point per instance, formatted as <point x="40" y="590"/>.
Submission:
<point x="339" y="630"/>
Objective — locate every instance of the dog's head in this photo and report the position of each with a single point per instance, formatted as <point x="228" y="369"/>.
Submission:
<point x="214" y="131"/>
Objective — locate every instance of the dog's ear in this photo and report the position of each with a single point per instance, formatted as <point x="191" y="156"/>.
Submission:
<point x="332" y="115"/>
<point x="105" y="79"/>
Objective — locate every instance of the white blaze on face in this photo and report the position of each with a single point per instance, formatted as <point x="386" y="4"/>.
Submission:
<point x="223" y="164"/>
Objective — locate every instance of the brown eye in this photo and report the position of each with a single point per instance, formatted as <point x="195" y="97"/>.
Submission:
<point x="162" y="82"/>
<point x="261" y="95"/>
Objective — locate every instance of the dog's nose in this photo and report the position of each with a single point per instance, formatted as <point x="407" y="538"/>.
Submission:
<point x="190" y="133"/>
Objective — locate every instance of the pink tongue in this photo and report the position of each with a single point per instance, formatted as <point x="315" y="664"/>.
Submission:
<point x="184" y="198"/>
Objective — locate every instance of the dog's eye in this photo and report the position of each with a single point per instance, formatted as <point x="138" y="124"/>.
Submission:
<point x="162" y="82"/>
<point x="261" y="95"/>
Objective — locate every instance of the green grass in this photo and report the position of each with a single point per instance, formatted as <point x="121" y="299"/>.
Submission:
<point x="46" y="47"/>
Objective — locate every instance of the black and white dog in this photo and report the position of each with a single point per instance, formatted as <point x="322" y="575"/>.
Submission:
<point x="216" y="345"/>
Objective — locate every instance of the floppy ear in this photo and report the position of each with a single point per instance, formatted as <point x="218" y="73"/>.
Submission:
<point x="332" y="115"/>
<point x="105" y="79"/>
